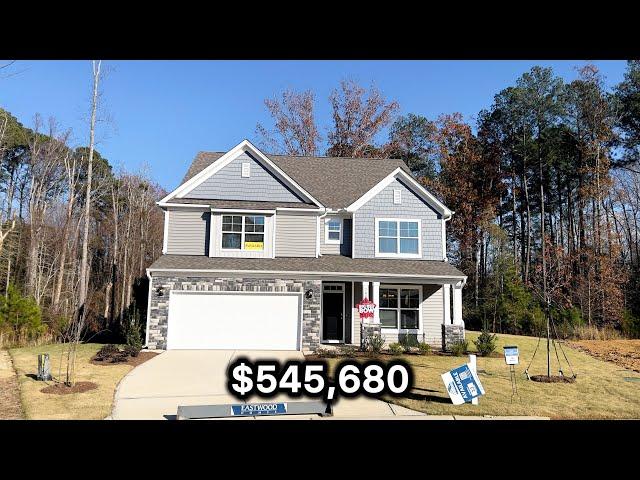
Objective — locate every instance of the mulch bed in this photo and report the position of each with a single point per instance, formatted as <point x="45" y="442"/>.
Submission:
<point x="358" y="354"/>
<point x="552" y="379"/>
<point x="133" y="361"/>
<point x="62" y="389"/>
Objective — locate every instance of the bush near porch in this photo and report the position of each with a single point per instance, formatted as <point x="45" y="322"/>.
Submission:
<point x="600" y="391"/>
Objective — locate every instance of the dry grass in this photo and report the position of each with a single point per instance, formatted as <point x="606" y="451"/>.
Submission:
<point x="586" y="332"/>
<point x="600" y="391"/>
<point x="625" y="353"/>
<point x="10" y="407"/>
<point x="94" y="404"/>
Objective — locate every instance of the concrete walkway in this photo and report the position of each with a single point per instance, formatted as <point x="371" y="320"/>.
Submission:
<point x="153" y="390"/>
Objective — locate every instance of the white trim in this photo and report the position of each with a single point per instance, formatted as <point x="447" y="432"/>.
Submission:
<point x="273" y="234"/>
<point x="397" y="196"/>
<point x="398" y="255"/>
<point x="165" y="238"/>
<point x="227" y="158"/>
<point x="400" y="331"/>
<point x="343" y="295"/>
<point x="439" y="278"/>
<point x="318" y="237"/>
<point x="182" y="205"/>
<point x="399" y="172"/>
<point x="294" y="209"/>
<point x="353" y="236"/>
<point x="353" y="313"/>
<point x="327" y="240"/>
<point x="444" y="239"/>
<point x="230" y="211"/>
<point x="246" y="170"/>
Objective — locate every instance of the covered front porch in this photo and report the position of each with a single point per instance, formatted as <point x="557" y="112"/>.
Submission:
<point x="406" y="307"/>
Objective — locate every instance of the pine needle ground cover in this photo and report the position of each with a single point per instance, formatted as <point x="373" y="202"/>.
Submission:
<point x="600" y="391"/>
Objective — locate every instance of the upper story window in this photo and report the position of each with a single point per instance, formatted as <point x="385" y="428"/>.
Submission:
<point x="333" y="230"/>
<point x="242" y="232"/>
<point x="397" y="238"/>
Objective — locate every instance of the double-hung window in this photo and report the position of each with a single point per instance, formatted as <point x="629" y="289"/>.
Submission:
<point x="400" y="308"/>
<point x="397" y="238"/>
<point x="242" y="232"/>
<point x="333" y="230"/>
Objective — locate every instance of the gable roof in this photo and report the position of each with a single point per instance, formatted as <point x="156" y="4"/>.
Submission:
<point x="350" y="178"/>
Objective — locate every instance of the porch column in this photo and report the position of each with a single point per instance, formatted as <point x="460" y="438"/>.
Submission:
<point x="446" y="294"/>
<point x="365" y="290"/>
<point x="376" y="300"/>
<point x="457" y="304"/>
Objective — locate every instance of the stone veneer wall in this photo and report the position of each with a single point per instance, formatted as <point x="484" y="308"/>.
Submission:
<point x="159" y="305"/>
<point x="451" y="334"/>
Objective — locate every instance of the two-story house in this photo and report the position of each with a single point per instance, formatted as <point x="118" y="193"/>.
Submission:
<point x="274" y="252"/>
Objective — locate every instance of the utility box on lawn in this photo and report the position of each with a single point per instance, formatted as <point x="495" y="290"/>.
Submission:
<point x="44" y="368"/>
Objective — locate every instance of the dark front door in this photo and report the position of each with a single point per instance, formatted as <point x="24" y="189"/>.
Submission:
<point x="333" y="312"/>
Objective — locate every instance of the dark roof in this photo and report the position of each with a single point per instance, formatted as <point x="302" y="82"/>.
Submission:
<point x="241" y="204"/>
<point x="335" y="182"/>
<point x="323" y="264"/>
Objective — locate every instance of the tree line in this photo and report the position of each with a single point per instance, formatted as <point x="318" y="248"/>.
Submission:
<point x="45" y="182"/>
<point x="545" y="185"/>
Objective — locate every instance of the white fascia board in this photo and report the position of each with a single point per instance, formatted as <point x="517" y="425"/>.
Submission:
<point x="227" y="158"/>
<point x="243" y="210"/>
<point x="294" y="209"/>
<point x="182" y="205"/>
<point x="399" y="172"/>
<point x="165" y="238"/>
<point x="439" y="278"/>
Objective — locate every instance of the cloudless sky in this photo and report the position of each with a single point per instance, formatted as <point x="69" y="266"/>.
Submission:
<point x="161" y="113"/>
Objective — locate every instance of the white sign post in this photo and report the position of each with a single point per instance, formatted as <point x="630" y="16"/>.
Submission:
<point x="473" y="366"/>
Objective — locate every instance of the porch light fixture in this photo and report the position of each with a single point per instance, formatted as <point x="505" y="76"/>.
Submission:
<point x="160" y="291"/>
<point x="308" y="294"/>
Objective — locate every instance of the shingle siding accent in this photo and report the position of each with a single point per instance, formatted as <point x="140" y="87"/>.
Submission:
<point x="159" y="307"/>
<point x="229" y="184"/>
<point x="382" y="206"/>
<point x="188" y="232"/>
<point x="296" y="235"/>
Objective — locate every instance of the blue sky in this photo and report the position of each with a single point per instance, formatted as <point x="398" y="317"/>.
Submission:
<point x="163" y="112"/>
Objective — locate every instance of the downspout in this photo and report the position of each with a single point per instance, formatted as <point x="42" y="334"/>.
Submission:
<point x="146" y="335"/>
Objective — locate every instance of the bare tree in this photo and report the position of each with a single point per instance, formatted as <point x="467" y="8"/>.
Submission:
<point x="296" y="132"/>
<point x="358" y="116"/>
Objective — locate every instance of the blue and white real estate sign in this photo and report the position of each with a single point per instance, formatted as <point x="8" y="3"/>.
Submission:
<point x="255" y="409"/>
<point x="511" y="355"/>
<point x="462" y="384"/>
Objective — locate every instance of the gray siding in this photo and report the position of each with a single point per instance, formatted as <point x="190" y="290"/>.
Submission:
<point x="334" y="248"/>
<point x="382" y="206"/>
<point x="188" y="232"/>
<point x="228" y="184"/>
<point x="296" y="235"/>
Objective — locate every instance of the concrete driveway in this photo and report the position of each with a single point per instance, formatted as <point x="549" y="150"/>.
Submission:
<point x="153" y="390"/>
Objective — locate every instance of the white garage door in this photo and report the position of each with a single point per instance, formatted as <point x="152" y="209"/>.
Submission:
<point x="233" y="321"/>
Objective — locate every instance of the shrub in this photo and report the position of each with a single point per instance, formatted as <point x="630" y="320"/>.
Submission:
<point x="119" y="357"/>
<point x="133" y="337"/>
<point x="396" y="348"/>
<point x="20" y="316"/>
<point x="326" y="352"/>
<point x="347" y="351"/>
<point x="408" y="342"/>
<point x="375" y="343"/>
<point x="131" y="350"/>
<point x="459" y="347"/>
<point x="424" y="348"/>
<point x="106" y="352"/>
<point x="486" y="343"/>
<point x="630" y="324"/>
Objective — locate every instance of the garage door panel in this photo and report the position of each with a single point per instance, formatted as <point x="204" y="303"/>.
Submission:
<point x="233" y="321"/>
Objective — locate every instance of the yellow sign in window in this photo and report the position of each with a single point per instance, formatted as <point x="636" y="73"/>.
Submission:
<point x="254" y="245"/>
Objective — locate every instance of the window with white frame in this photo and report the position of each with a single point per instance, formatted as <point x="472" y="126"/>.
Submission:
<point x="333" y="230"/>
<point x="242" y="232"/>
<point x="399" y="238"/>
<point x="400" y="308"/>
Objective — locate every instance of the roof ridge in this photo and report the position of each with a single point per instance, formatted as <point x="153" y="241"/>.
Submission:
<point x="308" y="156"/>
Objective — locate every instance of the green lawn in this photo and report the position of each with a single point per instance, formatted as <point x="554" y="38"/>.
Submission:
<point x="93" y="404"/>
<point x="600" y="391"/>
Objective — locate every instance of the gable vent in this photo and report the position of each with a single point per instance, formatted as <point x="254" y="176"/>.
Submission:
<point x="397" y="196"/>
<point x="246" y="169"/>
